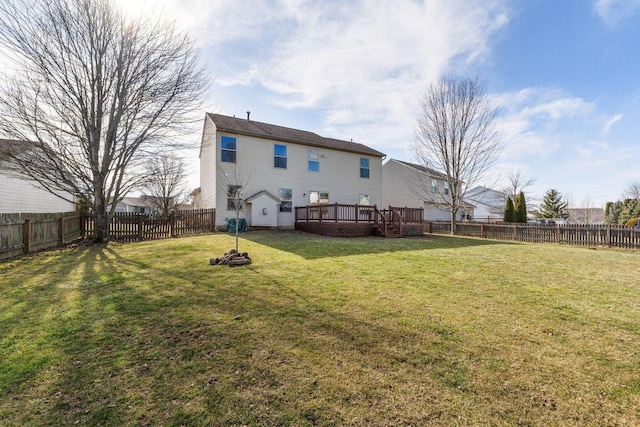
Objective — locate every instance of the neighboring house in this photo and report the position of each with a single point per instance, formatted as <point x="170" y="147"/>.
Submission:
<point x="400" y="182"/>
<point x="585" y="216"/>
<point x="489" y="203"/>
<point x="143" y="204"/>
<point x="19" y="195"/>
<point x="277" y="168"/>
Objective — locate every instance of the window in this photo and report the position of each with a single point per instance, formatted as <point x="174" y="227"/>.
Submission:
<point x="234" y="197"/>
<point x="228" y="149"/>
<point x="285" y="200"/>
<point x="280" y="156"/>
<point x="446" y="188"/>
<point x="434" y="187"/>
<point x="318" y="198"/>
<point x="364" y="199"/>
<point x="364" y="167"/>
<point x="314" y="161"/>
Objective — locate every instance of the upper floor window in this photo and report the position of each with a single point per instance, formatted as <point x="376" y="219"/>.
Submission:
<point x="446" y="187"/>
<point x="285" y="200"/>
<point x="364" y="167"/>
<point x="434" y="186"/>
<point x="228" y="149"/>
<point x="280" y="156"/>
<point x="313" y="161"/>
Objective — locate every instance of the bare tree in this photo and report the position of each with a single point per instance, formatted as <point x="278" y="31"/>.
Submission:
<point x="516" y="183"/>
<point x="456" y="135"/>
<point x="165" y="184"/>
<point x="95" y="95"/>
<point x="234" y="185"/>
<point x="632" y="191"/>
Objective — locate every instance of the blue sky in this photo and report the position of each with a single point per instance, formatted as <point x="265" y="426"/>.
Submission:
<point x="565" y="74"/>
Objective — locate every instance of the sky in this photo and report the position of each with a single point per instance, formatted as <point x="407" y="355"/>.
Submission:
<point x="564" y="74"/>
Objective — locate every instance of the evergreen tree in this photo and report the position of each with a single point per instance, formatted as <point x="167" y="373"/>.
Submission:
<point x="630" y="209"/>
<point x="509" y="211"/>
<point x="552" y="205"/>
<point x="520" y="208"/>
<point x="612" y="212"/>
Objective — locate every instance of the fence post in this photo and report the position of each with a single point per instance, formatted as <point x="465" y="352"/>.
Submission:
<point x="172" y="224"/>
<point x="61" y="229"/>
<point x="83" y="224"/>
<point x="482" y="231"/>
<point x="140" y="228"/>
<point x="26" y="236"/>
<point x="608" y="237"/>
<point x="213" y="220"/>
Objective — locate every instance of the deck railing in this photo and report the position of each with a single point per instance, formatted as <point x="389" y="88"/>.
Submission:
<point x="338" y="212"/>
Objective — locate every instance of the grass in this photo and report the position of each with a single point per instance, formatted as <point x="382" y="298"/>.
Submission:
<point x="321" y="331"/>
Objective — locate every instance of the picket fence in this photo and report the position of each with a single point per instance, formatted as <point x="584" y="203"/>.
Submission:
<point x="569" y="234"/>
<point x="26" y="233"/>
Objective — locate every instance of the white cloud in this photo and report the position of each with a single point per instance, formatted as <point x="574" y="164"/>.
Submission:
<point x="613" y="120"/>
<point x="615" y="12"/>
<point x="532" y="118"/>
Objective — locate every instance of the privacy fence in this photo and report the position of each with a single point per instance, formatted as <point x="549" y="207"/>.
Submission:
<point x="571" y="234"/>
<point x="26" y="233"/>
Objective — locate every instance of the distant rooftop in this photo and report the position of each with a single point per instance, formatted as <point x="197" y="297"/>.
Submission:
<point x="279" y="133"/>
<point x="431" y="172"/>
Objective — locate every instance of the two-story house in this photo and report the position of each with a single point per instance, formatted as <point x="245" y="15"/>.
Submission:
<point x="271" y="169"/>
<point x="412" y="185"/>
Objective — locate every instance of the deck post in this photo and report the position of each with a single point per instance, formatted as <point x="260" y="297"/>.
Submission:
<point x="335" y="211"/>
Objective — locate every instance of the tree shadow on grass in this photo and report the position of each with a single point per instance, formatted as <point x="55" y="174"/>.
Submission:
<point x="313" y="246"/>
<point x="124" y="342"/>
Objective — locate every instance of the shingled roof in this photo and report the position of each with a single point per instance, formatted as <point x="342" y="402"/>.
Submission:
<point x="12" y="147"/>
<point x="431" y="172"/>
<point x="284" y="134"/>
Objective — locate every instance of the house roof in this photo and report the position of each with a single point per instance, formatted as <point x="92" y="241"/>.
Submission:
<point x="262" y="193"/>
<point x="431" y="172"/>
<point x="486" y="196"/>
<point x="13" y="146"/>
<point x="284" y="134"/>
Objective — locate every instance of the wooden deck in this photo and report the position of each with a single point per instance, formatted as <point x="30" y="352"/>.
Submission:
<point x="340" y="220"/>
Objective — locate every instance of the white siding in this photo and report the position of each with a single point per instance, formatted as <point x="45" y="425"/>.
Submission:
<point x="21" y="196"/>
<point x="264" y="212"/>
<point x="339" y="175"/>
<point x="207" y="165"/>
<point x="396" y="189"/>
<point x="397" y="180"/>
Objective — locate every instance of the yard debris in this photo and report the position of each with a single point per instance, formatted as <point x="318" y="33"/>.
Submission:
<point x="232" y="258"/>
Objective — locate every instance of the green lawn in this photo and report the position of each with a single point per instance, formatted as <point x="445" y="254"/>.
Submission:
<point x="321" y="331"/>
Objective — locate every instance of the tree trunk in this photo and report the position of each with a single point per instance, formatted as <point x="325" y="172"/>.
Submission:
<point x="454" y="225"/>
<point x="101" y="227"/>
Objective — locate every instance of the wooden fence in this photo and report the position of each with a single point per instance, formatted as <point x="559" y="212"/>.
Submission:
<point x="569" y="234"/>
<point x="26" y="233"/>
<point x="128" y="227"/>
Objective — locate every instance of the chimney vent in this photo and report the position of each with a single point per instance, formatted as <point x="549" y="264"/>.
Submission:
<point x="248" y="114"/>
